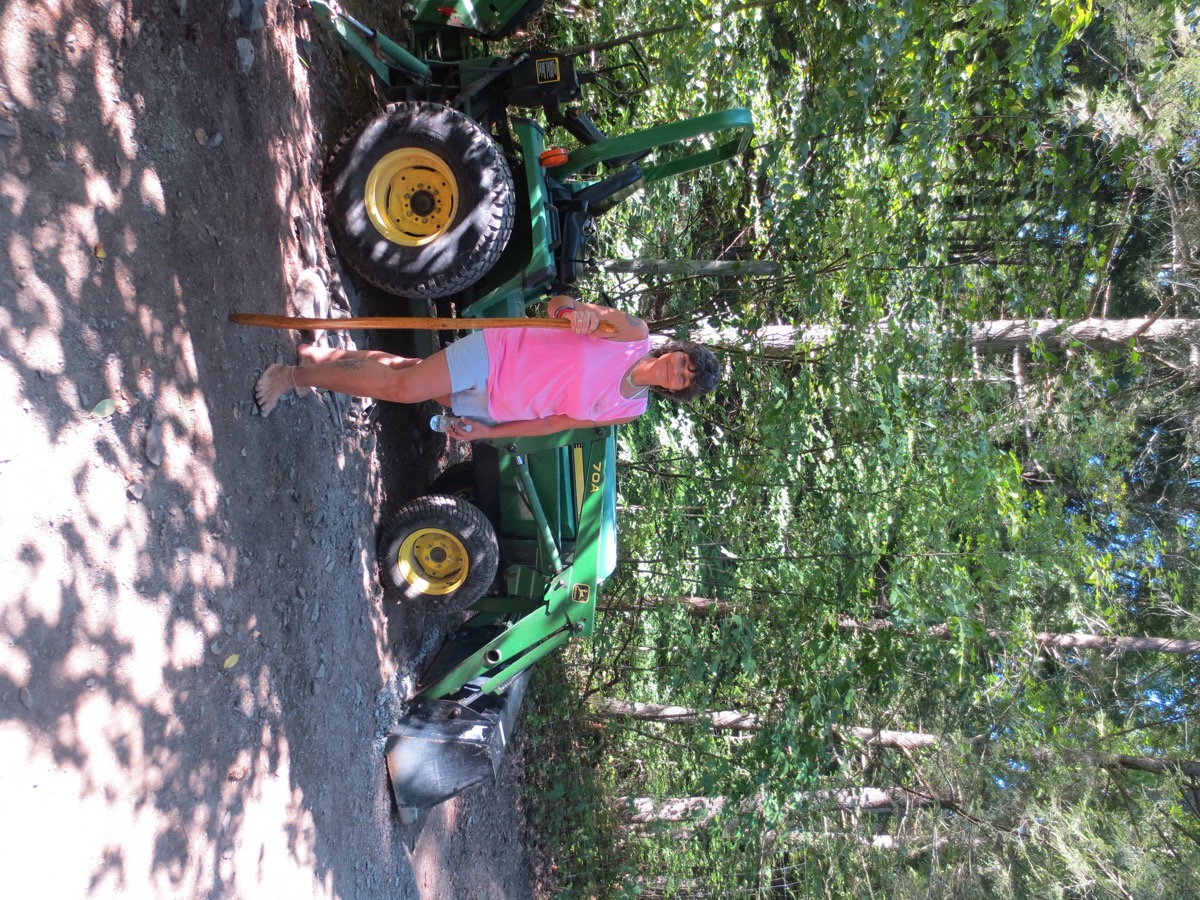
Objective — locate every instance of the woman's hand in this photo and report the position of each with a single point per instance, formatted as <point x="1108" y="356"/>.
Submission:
<point x="585" y="318"/>
<point x="478" y="430"/>
<point x="597" y="321"/>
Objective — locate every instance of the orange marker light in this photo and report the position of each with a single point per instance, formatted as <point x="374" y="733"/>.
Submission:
<point x="555" y="156"/>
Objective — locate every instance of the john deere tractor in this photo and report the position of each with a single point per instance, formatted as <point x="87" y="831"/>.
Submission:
<point x="450" y="194"/>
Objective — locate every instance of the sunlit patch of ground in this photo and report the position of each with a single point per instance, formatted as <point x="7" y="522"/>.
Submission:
<point x="196" y="666"/>
<point x="125" y="632"/>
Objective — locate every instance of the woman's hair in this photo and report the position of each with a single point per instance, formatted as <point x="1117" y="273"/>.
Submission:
<point x="703" y="363"/>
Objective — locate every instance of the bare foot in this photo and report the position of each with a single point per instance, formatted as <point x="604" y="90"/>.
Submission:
<point x="271" y="385"/>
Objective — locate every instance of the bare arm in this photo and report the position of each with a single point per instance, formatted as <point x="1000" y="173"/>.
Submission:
<point x="586" y="318"/>
<point x="528" y="428"/>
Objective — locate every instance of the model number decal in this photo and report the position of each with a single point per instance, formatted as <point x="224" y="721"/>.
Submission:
<point x="596" y="477"/>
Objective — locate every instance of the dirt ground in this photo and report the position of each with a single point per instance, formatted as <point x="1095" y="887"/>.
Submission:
<point x="198" y="670"/>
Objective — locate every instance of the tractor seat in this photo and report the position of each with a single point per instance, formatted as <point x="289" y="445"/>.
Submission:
<point x="608" y="192"/>
<point x="576" y="211"/>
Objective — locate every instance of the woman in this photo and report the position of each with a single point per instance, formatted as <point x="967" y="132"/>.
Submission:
<point x="515" y="382"/>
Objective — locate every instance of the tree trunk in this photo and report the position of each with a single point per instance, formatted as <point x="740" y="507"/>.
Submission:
<point x="1118" y="643"/>
<point x="893" y="740"/>
<point x="873" y="799"/>
<point x="1151" y="764"/>
<point x="1188" y="767"/>
<point x="746" y="721"/>
<point x="1107" y="643"/>
<point x="783" y="341"/>
<point x="701" y="810"/>
<point x="692" y="268"/>
<point x="1000" y="335"/>
<point x="653" y="712"/>
<point x="644" y="810"/>
<point x="1096" y="334"/>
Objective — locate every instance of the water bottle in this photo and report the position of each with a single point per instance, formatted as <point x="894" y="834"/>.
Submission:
<point x="445" y="423"/>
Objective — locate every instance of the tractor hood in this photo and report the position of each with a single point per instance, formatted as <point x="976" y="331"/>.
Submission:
<point x="606" y="554"/>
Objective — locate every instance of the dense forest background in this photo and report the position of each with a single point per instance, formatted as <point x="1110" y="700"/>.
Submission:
<point x="909" y="607"/>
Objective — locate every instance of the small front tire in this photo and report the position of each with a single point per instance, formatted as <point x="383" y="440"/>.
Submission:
<point x="439" y="551"/>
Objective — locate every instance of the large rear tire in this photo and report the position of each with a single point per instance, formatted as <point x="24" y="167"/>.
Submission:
<point x="420" y="200"/>
<point x="439" y="551"/>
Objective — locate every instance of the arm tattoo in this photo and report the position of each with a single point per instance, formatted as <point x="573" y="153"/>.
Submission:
<point x="351" y="364"/>
<point x="632" y="321"/>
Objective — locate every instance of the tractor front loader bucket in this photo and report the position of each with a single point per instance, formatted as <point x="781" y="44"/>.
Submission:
<point x="439" y="748"/>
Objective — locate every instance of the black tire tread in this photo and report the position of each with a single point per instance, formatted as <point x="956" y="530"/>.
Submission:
<point x="471" y="527"/>
<point x="360" y="246"/>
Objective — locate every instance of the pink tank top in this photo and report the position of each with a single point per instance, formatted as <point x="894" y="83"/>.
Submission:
<point x="538" y="372"/>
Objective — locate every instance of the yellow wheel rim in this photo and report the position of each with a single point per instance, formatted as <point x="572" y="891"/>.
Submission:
<point x="411" y="197"/>
<point x="433" y="561"/>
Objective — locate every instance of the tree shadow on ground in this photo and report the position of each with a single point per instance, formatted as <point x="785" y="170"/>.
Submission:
<point x="198" y="669"/>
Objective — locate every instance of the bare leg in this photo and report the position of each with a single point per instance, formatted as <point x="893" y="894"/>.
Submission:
<point x="309" y="354"/>
<point x="360" y="374"/>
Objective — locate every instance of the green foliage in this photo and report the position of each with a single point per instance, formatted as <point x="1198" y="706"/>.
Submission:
<point x="565" y="773"/>
<point x="883" y="524"/>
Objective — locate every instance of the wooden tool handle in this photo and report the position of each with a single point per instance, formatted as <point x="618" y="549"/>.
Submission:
<point x="424" y="323"/>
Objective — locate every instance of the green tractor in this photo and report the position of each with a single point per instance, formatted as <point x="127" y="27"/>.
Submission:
<point x="449" y="196"/>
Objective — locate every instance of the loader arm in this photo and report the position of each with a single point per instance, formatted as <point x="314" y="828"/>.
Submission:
<point x="543" y="608"/>
<point x="735" y="126"/>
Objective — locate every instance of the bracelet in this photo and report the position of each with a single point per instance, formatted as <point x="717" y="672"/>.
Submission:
<point x="562" y="309"/>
